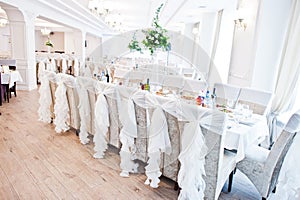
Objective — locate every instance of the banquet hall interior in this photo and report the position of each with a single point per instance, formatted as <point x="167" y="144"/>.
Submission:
<point x="150" y="99"/>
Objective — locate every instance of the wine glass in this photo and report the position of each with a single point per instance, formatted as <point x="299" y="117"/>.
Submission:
<point x="230" y="103"/>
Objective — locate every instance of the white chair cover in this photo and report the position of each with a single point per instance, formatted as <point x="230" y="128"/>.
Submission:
<point x="48" y="65"/>
<point x="53" y="65"/>
<point x="173" y="81"/>
<point x="45" y="99"/>
<point x="87" y="72"/>
<point x="101" y="117"/>
<point x="61" y="107"/>
<point x="83" y="84"/>
<point x="227" y="91"/>
<point x="194" y="86"/>
<point x="41" y="69"/>
<point x="255" y="96"/>
<point x="159" y="140"/>
<point x="128" y="132"/>
<point x="155" y="79"/>
<point x="76" y="67"/>
<point x="121" y="73"/>
<point x="192" y="156"/>
<point x="64" y="68"/>
<point x="136" y="75"/>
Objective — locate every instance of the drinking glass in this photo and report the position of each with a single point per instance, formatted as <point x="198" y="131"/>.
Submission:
<point x="230" y="103"/>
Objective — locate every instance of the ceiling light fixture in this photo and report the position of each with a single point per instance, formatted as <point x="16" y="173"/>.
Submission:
<point x="104" y="10"/>
<point x="45" y="31"/>
<point x="3" y="18"/>
<point x="240" y="24"/>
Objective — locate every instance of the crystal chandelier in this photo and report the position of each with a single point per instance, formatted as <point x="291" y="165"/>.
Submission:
<point x="104" y="9"/>
<point x="45" y="31"/>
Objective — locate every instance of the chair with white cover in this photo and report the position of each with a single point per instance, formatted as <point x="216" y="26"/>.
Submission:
<point x="47" y="99"/>
<point x="202" y="152"/>
<point x="262" y="166"/>
<point x="258" y="100"/>
<point x="193" y="87"/>
<point x="173" y="82"/>
<point x="226" y="92"/>
<point x="155" y="80"/>
<point x="135" y="77"/>
<point x="121" y="76"/>
<point x="87" y="100"/>
<point x="188" y="73"/>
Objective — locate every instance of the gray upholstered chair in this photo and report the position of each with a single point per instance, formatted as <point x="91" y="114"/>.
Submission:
<point x="219" y="163"/>
<point x="262" y="166"/>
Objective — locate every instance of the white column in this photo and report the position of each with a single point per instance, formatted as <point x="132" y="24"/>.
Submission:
<point x="83" y="46"/>
<point x="219" y="69"/>
<point x="30" y="49"/>
<point x="23" y="46"/>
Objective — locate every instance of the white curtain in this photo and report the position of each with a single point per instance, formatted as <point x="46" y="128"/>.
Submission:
<point x="289" y="70"/>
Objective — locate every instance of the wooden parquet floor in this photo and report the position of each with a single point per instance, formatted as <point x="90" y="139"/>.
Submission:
<point x="37" y="163"/>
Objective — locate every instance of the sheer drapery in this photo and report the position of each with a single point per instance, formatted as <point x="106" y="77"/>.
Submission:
<point x="289" y="71"/>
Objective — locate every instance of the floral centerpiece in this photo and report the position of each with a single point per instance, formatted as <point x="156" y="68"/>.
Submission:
<point x="155" y="38"/>
<point x="48" y="43"/>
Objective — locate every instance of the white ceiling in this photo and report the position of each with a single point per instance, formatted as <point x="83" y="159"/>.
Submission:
<point x="138" y="14"/>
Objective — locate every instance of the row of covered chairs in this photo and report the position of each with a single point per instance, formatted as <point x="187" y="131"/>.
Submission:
<point x="62" y="64"/>
<point x="176" y="83"/>
<point x="182" y="129"/>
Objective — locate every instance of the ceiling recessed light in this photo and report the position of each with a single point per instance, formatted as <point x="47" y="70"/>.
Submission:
<point x="202" y="6"/>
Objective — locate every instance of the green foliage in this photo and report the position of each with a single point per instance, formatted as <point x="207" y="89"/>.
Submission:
<point x="155" y="38"/>
<point x="134" y="44"/>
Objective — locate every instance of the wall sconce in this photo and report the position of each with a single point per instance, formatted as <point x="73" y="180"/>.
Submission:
<point x="195" y="31"/>
<point x="3" y="18"/>
<point x="240" y="24"/>
<point x="45" y="31"/>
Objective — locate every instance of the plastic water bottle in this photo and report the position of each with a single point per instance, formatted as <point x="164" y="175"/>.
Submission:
<point x="207" y="100"/>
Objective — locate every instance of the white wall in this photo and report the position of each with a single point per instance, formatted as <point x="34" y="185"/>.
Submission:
<point x="93" y="46"/>
<point x="57" y="39"/>
<point x="244" y="46"/>
<point x="5" y="44"/>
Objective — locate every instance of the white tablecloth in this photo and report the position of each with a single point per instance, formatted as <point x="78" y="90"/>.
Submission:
<point x="240" y="136"/>
<point x="10" y="78"/>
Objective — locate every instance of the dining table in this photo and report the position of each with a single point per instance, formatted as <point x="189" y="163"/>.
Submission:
<point x="243" y="133"/>
<point x="8" y="80"/>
